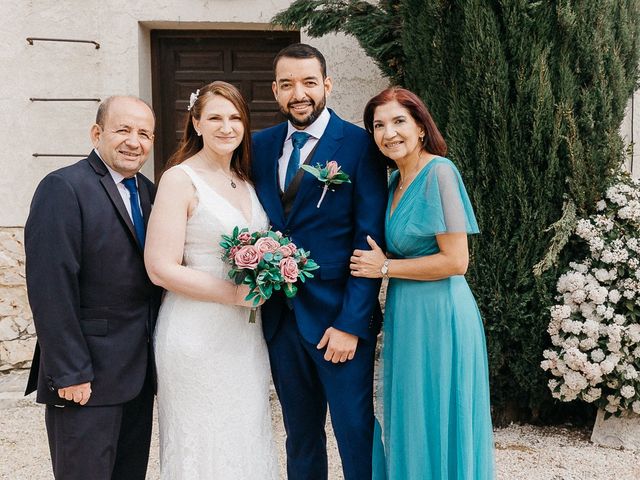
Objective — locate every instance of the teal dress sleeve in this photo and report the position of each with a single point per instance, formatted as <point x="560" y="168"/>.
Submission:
<point x="443" y="203"/>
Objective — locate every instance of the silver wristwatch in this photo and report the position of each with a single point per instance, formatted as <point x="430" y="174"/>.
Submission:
<point x="384" y="270"/>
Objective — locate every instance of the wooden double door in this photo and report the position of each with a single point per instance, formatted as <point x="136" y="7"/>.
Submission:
<point x="184" y="60"/>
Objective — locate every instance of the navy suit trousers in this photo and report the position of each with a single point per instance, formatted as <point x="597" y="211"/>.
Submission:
<point x="305" y="383"/>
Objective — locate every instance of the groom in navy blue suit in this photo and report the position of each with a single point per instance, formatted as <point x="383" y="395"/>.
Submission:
<point x="322" y="342"/>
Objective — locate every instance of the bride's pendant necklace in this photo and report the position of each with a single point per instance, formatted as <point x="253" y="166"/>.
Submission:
<point x="231" y="182"/>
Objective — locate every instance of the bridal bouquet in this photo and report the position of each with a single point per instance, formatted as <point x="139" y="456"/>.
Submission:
<point x="266" y="261"/>
<point x="595" y="327"/>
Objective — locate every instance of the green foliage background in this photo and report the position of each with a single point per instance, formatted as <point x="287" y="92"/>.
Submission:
<point x="530" y="96"/>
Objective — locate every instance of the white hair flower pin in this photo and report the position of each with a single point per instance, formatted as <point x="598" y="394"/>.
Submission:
<point x="192" y="99"/>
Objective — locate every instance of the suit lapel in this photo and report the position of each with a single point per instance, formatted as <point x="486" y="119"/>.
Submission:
<point x="112" y="191"/>
<point x="145" y="200"/>
<point x="273" y="203"/>
<point x="327" y="146"/>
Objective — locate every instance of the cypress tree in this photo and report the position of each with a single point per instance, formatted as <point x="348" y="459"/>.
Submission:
<point x="529" y="96"/>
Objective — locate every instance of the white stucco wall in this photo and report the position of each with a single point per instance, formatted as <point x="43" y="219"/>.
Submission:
<point x="121" y="65"/>
<point x="630" y="131"/>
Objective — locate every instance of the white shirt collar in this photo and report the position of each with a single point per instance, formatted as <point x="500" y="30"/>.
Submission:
<point x="316" y="129"/>
<point x="117" y="177"/>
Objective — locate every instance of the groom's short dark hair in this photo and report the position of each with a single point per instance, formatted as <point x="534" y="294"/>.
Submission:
<point x="301" y="50"/>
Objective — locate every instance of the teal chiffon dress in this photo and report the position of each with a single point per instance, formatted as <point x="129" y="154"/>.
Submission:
<point x="435" y="420"/>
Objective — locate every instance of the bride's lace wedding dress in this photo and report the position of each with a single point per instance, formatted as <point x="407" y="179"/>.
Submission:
<point x="213" y="365"/>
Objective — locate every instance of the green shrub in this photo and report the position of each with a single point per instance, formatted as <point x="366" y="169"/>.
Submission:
<point x="529" y="96"/>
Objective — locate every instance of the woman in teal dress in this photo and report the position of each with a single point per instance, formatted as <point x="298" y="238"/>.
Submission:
<point x="435" y="421"/>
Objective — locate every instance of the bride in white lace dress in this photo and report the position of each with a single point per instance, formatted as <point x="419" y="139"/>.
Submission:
<point x="212" y="364"/>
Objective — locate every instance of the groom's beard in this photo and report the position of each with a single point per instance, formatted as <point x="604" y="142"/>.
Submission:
<point x="309" y="119"/>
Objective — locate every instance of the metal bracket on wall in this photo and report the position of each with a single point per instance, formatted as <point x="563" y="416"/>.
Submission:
<point x="33" y="99"/>
<point x="59" y="155"/>
<point x="38" y="39"/>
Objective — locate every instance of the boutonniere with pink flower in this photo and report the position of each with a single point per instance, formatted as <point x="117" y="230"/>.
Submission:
<point x="330" y="174"/>
<point x="266" y="261"/>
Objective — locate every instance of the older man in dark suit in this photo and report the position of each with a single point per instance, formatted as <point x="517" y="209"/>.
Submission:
<point x="93" y="304"/>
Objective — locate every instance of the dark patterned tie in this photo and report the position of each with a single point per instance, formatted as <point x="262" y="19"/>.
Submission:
<point x="298" y="139"/>
<point x="136" y="213"/>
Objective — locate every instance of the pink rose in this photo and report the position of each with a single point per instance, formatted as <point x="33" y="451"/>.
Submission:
<point x="233" y="250"/>
<point x="244" y="238"/>
<point x="247" y="257"/>
<point x="267" y="244"/>
<point x="332" y="169"/>
<point x="289" y="269"/>
<point x="288" y="249"/>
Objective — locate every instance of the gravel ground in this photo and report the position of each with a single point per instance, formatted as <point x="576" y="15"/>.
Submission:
<point x="522" y="451"/>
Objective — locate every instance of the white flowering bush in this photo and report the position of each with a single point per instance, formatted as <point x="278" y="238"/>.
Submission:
<point x="595" y="327"/>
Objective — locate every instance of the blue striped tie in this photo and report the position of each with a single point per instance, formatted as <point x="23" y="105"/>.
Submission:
<point x="136" y="213"/>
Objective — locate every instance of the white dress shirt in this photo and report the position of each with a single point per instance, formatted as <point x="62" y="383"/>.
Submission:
<point x="316" y="130"/>
<point x="122" y="190"/>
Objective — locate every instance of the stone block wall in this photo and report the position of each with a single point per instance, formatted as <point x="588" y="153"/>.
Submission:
<point x="17" y="333"/>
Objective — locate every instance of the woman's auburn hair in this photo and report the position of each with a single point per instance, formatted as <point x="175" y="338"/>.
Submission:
<point x="191" y="143"/>
<point x="433" y="141"/>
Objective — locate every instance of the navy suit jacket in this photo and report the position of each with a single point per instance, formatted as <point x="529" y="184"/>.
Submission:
<point x="348" y="213"/>
<point x="93" y="304"/>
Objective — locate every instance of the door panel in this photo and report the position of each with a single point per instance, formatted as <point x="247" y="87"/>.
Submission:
<point x="183" y="61"/>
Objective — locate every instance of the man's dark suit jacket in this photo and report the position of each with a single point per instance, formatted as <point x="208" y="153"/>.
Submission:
<point x="348" y="213"/>
<point x="93" y="304"/>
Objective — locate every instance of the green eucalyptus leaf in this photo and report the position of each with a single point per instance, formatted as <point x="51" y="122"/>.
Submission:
<point x="312" y="170"/>
<point x="290" y="290"/>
